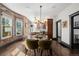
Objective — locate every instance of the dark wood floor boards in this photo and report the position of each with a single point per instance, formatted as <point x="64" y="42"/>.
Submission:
<point x="57" y="50"/>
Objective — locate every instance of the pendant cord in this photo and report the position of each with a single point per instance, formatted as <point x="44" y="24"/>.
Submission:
<point x="40" y="11"/>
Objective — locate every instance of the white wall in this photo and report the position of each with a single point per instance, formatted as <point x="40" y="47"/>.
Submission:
<point x="64" y="15"/>
<point x="54" y="27"/>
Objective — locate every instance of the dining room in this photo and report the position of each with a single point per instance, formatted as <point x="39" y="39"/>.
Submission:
<point x="39" y="29"/>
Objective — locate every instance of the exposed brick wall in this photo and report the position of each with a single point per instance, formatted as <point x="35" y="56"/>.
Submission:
<point x="14" y="15"/>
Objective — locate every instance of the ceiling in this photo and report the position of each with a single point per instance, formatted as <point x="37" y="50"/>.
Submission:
<point x="32" y="10"/>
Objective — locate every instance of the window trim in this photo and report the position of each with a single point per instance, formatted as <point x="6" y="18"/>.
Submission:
<point x="20" y="20"/>
<point x="6" y="16"/>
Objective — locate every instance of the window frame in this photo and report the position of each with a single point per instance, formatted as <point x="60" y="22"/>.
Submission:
<point x="20" y="20"/>
<point x="4" y="15"/>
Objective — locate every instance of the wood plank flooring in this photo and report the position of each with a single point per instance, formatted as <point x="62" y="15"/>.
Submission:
<point x="18" y="49"/>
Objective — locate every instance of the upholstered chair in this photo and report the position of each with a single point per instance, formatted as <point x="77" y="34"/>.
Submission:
<point x="32" y="45"/>
<point x="45" y="45"/>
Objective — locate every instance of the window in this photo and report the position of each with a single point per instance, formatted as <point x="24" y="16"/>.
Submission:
<point x="19" y="27"/>
<point x="6" y="26"/>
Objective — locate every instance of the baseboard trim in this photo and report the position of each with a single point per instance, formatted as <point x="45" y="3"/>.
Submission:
<point x="54" y="39"/>
<point x="65" y="44"/>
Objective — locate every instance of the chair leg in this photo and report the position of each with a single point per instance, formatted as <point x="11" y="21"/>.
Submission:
<point x="34" y="52"/>
<point x="26" y="50"/>
<point x="50" y="51"/>
<point x="41" y="51"/>
<point x="47" y="52"/>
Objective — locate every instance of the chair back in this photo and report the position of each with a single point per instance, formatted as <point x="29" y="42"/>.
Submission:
<point x="32" y="44"/>
<point x="45" y="44"/>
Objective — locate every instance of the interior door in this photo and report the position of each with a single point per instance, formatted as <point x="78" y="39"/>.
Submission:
<point x="58" y="30"/>
<point x="50" y="28"/>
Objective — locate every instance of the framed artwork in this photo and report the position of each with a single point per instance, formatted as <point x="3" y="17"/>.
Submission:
<point x="64" y="24"/>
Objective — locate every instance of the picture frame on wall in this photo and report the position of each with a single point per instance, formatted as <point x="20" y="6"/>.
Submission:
<point x="64" y="24"/>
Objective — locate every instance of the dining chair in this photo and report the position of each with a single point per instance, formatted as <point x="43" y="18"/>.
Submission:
<point x="45" y="45"/>
<point x="32" y="44"/>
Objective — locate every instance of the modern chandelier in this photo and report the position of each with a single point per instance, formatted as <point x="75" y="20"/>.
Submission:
<point x="39" y="20"/>
<point x="40" y="23"/>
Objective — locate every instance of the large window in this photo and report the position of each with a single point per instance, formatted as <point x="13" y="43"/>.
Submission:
<point x="19" y="27"/>
<point x="6" y="26"/>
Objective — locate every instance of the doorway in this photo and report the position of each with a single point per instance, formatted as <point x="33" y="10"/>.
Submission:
<point x="58" y="31"/>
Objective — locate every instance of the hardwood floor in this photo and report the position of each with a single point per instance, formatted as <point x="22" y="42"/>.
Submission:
<point x="60" y="50"/>
<point x="13" y="49"/>
<point x="19" y="49"/>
